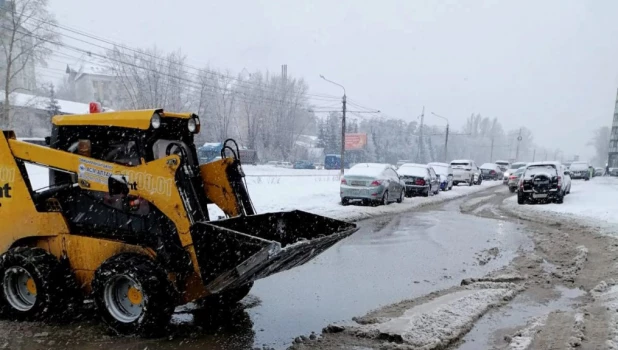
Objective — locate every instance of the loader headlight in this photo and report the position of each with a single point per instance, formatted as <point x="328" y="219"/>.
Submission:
<point x="155" y="121"/>
<point x="194" y="125"/>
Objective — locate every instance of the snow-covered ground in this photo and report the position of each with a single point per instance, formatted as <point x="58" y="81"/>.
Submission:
<point x="436" y="323"/>
<point x="315" y="191"/>
<point x="593" y="202"/>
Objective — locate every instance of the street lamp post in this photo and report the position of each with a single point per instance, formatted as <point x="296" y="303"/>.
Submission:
<point x="342" y="124"/>
<point x="446" y="138"/>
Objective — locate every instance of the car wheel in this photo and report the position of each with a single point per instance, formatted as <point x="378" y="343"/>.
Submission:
<point x="401" y="196"/>
<point x="385" y="198"/>
<point x="480" y="180"/>
<point x="345" y="201"/>
<point x="455" y="183"/>
<point x="560" y="199"/>
<point x="512" y="189"/>
<point x="426" y="193"/>
<point x="471" y="181"/>
<point x="521" y="199"/>
<point x="586" y="179"/>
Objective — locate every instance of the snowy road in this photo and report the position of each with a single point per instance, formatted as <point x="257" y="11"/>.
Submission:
<point x="389" y="259"/>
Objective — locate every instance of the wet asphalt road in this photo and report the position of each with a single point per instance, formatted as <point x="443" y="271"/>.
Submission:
<point x="389" y="259"/>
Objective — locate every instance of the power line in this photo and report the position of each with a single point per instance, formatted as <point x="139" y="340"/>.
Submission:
<point x="141" y="52"/>
<point x="182" y="81"/>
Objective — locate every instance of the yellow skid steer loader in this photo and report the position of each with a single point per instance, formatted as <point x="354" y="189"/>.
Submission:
<point x="124" y="221"/>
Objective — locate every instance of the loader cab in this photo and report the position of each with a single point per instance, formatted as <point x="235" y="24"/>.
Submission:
<point x="124" y="144"/>
<point x="130" y="139"/>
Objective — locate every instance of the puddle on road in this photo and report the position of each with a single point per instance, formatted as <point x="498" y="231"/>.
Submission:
<point x="487" y="331"/>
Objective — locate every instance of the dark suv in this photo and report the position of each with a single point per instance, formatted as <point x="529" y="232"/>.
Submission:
<point x="541" y="182"/>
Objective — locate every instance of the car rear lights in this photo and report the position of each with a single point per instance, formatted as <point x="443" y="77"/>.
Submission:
<point x="344" y="182"/>
<point x="376" y="183"/>
<point x="420" y="182"/>
<point x="559" y="181"/>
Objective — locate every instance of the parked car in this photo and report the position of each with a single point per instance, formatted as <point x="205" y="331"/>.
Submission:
<point x="420" y="179"/>
<point x="465" y="170"/>
<point x="613" y="171"/>
<point x="282" y="164"/>
<point x="542" y="181"/>
<point x="445" y="172"/>
<point x="598" y="171"/>
<point x="512" y="169"/>
<point x="504" y="165"/>
<point x="272" y="163"/>
<point x="513" y="180"/>
<point x="303" y="164"/>
<point x="371" y="183"/>
<point x="402" y="162"/>
<point x="580" y="170"/>
<point x="491" y="171"/>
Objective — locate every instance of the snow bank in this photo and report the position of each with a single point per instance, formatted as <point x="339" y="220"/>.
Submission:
<point x="594" y="201"/>
<point x="523" y="338"/>
<point x="316" y="191"/>
<point x="437" y="323"/>
<point x="607" y="295"/>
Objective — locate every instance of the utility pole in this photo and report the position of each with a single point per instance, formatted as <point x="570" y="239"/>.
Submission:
<point x="420" y="140"/>
<point x="518" y="141"/>
<point x="534" y="155"/>
<point x="342" y="122"/>
<point x="446" y="145"/>
<point x="446" y="138"/>
<point x="491" y="154"/>
<point x="343" y="135"/>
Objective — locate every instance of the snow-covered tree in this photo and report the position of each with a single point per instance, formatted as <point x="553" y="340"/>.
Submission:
<point x="27" y="37"/>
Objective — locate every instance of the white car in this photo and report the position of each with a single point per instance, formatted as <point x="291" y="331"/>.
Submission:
<point x="503" y="164"/>
<point x="465" y="170"/>
<point x="511" y="170"/>
<point x="446" y="175"/>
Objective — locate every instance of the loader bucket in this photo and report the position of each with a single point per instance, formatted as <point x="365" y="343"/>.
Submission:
<point x="236" y="251"/>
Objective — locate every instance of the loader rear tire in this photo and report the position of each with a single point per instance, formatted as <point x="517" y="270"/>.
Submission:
<point x="34" y="285"/>
<point x="133" y="295"/>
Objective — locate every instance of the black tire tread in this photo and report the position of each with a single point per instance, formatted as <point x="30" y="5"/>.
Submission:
<point x="57" y="290"/>
<point x="156" y="286"/>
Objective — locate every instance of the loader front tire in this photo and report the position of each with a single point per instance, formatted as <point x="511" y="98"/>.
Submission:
<point x="34" y="285"/>
<point x="133" y="295"/>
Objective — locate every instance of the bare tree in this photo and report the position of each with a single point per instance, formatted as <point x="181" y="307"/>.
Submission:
<point x="27" y="35"/>
<point x="151" y="79"/>
<point x="600" y="142"/>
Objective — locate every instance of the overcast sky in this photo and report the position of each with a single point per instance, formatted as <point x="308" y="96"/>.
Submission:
<point x="550" y="65"/>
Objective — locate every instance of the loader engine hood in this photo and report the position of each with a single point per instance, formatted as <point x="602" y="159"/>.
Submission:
<point x="236" y="251"/>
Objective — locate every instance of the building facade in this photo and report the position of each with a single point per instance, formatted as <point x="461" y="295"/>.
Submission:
<point x="613" y="138"/>
<point x="92" y="81"/>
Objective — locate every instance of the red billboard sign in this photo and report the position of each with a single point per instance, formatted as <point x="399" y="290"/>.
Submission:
<point x="355" y="142"/>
